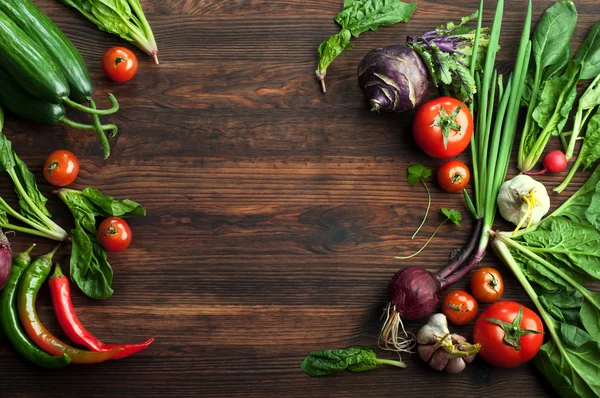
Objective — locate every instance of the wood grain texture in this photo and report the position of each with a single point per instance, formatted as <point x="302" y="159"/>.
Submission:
<point x="274" y="211"/>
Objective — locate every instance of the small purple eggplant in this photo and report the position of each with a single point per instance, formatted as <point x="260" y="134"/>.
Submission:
<point x="393" y="79"/>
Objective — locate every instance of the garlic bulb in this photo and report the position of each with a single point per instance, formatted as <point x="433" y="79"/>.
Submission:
<point x="523" y="201"/>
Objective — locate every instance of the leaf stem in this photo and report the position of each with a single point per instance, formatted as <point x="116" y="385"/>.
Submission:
<point x="426" y="210"/>
<point x="426" y="243"/>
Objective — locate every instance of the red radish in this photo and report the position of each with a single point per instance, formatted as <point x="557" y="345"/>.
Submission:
<point x="554" y="162"/>
<point x="5" y="259"/>
<point x="414" y="293"/>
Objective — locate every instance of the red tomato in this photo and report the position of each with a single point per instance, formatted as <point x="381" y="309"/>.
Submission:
<point x="441" y="132"/>
<point x="509" y="343"/>
<point x="459" y="307"/>
<point x="453" y="176"/>
<point x="61" y="168"/>
<point x="119" y="64"/>
<point x="114" y="234"/>
<point x="487" y="285"/>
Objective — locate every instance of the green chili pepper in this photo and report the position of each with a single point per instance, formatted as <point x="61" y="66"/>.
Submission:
<point x="33" y="279"/>
<point x="9" y="318"/>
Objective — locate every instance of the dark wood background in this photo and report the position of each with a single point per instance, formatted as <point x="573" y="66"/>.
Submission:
<point x="274" y="210"/>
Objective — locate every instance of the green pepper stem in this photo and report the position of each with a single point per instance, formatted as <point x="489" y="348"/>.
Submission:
<point x="93" y="110"/>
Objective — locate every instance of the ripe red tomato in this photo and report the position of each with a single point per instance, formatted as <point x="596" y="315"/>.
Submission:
<point x="505" y="340"/>
<point x="442" y="127"/>
<point x="61" y="168"/>
<point x="453" y="176"/>
<point x="119" y="64"/>
<point x="114" y="234"/>
<point x="459" y="307"/>
<point x="487" y="285"/>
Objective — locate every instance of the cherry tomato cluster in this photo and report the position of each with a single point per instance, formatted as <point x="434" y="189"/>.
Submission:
<point x="61" y="169"/>
<point x="443" y="128"/>
<point x="509" y="334"/>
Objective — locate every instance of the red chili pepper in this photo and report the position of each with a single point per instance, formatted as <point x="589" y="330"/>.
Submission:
<point x="65" y="312"/>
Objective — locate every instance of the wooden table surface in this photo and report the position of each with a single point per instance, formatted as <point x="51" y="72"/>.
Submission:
<point x="274" y="210"/>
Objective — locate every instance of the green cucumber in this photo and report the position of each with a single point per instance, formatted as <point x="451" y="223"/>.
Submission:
<point x="44" y="32"/>
<point x="30" y="64"/>
<point x="25" y="105"/>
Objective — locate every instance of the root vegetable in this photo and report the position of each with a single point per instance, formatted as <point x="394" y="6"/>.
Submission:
<point x="523" y="200"/>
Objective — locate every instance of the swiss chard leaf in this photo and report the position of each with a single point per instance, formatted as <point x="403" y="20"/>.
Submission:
<point x="89" y="267"/>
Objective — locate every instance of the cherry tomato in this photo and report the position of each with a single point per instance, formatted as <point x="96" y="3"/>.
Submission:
<point x="442" y="127"/>
<point x="505" y="341"/>
<point x="453" y="176"/>
<point x="487" y="285"/>
<point x="61" y="168"/>
<point x="459" y="307"/>
<point x="114" y="234"/>
<point x="119" y="64"/>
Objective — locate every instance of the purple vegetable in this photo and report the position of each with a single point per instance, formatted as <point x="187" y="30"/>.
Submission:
<point x="393" y="79"/>
<point x="5" y="259"/>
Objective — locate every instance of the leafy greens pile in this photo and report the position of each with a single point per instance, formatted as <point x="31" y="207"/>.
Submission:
<point x="553" y="261"/>
<point x="552" y="78"/>
<point x="359" y="16"/>
<point x="89" y="266"/>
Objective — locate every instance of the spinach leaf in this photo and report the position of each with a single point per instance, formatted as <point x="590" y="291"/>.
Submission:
<point x="7" y="160"/>
<point x="27" y="181"/>
<point x="589" y="53"/>
<point x="326" y="362"/>
<point x="89" y="267"/>
<point x="574" y="337"/>
<point x="553" y="34"/>
<point x="576" y="242"/>
<point x="356" y="17"/>
<point x="590" y="149"/>
<point x="576" y="206"/>
<point x="592" y="214"/>
<point x="590" y="316"/>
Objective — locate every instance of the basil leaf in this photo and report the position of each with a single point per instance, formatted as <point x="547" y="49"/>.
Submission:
<point x="89" y="267"/>
<point x="108" y="206"/>
<point x="7" y="160"/>
<point x="27" y="180"/>
<point x="589" y="53"/>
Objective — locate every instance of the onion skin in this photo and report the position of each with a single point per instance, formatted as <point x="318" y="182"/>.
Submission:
<point x="414" y="292"/>
<point x="393" y="79"/>
<point x="5" y="259"/>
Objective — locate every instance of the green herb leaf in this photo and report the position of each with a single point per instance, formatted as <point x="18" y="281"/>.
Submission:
<point x="553" y="34"/>
<point x="108" y="206"/>
<point x="452" y="215"/>
<point x="90" y="269"/>
<point x="590" y="316"/>
<point x="577" y="205"/>
<point x="356" y="17"/>
<point x="416" y="172"/>
<point x="590" y="149"/>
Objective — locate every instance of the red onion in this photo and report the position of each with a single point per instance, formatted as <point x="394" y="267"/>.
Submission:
<point x="5" y="259"/>
<point x="414" y="292"/>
